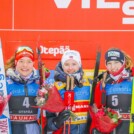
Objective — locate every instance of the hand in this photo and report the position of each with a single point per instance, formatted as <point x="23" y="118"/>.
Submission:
<point x="63" y="116"/>
<point x="78" y="79"/>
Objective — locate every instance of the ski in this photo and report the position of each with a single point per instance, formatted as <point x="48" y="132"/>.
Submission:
<point x="96" y="71"/>
<point x="5" y="127"/>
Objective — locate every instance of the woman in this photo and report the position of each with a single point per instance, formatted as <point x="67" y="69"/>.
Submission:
<point x="22" y="83"/>
<point x="117" y="84"/>
<point x="70" y="67"/>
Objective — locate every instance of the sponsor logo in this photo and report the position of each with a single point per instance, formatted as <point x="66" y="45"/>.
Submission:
<point x="23" y="117"/>
<point x="4" y="126"/>
<point x="113" y="53"/>
<point x="60" y="83"/>
<point x="127" y="7"/>
<point x="54" y="51"/>
<point x="125" y="116"/>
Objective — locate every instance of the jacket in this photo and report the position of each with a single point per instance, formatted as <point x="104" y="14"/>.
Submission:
<point x="118" y="97"/>
<point x="81" y="103"/>
<point x="23" y="116"/>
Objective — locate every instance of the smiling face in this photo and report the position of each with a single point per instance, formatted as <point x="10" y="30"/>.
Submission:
<point x="24" y="66"/>
<point x="114" y="66"/>
<point x="70" y="66"/>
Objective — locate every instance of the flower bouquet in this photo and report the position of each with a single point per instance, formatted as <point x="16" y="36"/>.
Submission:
<point x="47" y="72"/>
<point x="49" y="99"/>
<point x="3" y="102"/>
<point x="105" y="119"/>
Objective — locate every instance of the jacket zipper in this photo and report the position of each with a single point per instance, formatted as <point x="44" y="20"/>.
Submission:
<point x="25" y="89"/>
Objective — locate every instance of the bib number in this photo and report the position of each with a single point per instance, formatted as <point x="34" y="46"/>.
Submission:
<point x="26" y="102"/>
<point x="115" y="101"/>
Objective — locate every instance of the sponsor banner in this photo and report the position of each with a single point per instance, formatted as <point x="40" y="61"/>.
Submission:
<point x="68" y="14"/>
<point x="81" y="118"/>
<point x="51" y="51"/>
<point x="4" y="118"/>
<point x="125" y="116"/>
<point x="86" y="23"/>
<point x="21" y="118"/>
<point x="4" y="126"/>
<point x="80" y="106"/>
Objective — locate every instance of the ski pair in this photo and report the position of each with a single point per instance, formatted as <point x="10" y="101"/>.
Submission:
<point x="69" y="100"/>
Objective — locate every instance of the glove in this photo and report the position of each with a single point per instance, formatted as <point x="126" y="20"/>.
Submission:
<point x="59" y="120"/>
<point x="78" y="78"/>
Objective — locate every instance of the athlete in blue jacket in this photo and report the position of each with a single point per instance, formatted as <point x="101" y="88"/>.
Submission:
<point x="22" y="81"/>
<point x="117" y="84"/>
<point x="70" y="65"/>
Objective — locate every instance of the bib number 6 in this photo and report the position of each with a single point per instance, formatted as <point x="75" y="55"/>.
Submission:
<point x="26" y="102"/>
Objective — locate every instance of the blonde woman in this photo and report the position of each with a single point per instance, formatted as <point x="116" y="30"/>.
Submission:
<point x="22" y="84"/>
<point x="117" y="84"/>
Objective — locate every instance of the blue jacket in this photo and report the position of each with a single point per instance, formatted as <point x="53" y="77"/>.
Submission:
<point x="81" y="102"/>
<point x="22" y="99"/>
<point x="119" y="98"/>
<point x="80" y="108"/>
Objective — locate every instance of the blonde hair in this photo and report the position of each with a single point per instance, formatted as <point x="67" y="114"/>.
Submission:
<point x="129" y="61"/>
<point x="10" y="63"/>
<point x="128" y="65"/>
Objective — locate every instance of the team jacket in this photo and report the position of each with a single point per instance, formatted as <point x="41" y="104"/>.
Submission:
<point x="118" y="97"/>
<point x="80" y="107"/>
<point x="81" y="101"/>
<point x="22" y="99"/>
